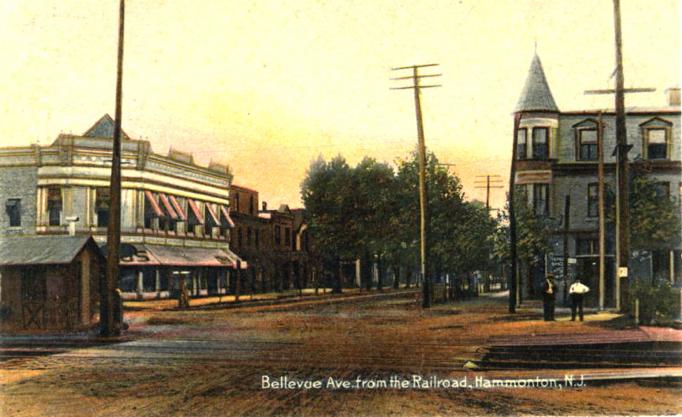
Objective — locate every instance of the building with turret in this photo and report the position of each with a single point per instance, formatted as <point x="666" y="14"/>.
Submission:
<point x="557" y="172"/>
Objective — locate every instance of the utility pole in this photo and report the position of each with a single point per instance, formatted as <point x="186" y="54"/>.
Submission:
<point x="423" y="203"/>
<point x="602" y="215"/>
<point x="491" y="181"/>
<point x="513" y="274"/>
<point x="109" y="322"/>
<point x="567" y="225"/>
<point x="622" y="176"/>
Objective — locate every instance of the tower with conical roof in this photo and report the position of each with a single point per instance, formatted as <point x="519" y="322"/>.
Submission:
<point x="536" y="123"/>
<point x="538" y="119"/>
<point x="536" y="95"/>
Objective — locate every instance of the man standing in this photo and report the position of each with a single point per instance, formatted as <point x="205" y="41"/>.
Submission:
<point x="548" y="297"/>
<point x="577" y="291"/>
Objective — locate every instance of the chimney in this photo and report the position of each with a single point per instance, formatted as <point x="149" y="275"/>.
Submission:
<point x="71" y="220"/>
<point x="265" y="206"/>
<point x="673" y="96"/>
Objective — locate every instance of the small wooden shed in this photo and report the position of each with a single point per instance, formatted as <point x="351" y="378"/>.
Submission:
<point x="49" y="282"/>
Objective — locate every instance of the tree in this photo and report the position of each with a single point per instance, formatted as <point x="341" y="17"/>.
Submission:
<point x="373" y="184"/>
<point x="533" y="231"/>
<point x="654" y="216"/>
<point x="329" y="199"/>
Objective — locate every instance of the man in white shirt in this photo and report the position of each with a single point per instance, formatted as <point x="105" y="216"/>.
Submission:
<point x="577" y="291"/>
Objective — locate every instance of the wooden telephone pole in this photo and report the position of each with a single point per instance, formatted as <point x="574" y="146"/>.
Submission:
<point x="491" y="181"/>
<point x="423" y="203"/>
<point x="512" y="282"/>
<point x="622" y="175"/>
<point x="109" y="321"/>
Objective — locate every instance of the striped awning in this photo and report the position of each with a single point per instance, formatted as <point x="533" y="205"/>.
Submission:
<point x="226" y="216"/>
<point x="178" y="208"/>
<point x="195" y="209"/>
<point x="167" y="205"/>
<point x="154" y="204"/>
<point x="213" y="215"/>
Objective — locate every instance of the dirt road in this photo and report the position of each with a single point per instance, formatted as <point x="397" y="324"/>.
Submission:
<point x="213" y="363"/>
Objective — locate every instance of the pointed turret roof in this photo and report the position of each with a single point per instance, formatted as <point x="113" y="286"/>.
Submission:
<point x="536" y="95"/>
<point x="104" y="128"/>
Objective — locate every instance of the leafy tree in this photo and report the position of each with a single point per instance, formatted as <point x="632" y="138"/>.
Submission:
<point x="532" y="231"/>
<point x="328" y="196"/>
<point x="374" y="185"/>
<point x="654" y="216"/>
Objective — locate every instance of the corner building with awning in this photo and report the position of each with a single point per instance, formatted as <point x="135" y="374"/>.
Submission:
<point x="175" y="218"/>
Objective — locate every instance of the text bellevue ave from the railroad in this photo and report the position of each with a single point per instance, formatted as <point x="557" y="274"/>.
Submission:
<point x="416" y="382"/>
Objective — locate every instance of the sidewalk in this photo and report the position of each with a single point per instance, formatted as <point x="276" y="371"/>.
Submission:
<point x="255" y="299"/>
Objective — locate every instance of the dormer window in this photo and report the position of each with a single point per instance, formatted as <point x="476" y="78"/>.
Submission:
<point x="586" y="140"/>
<point x="657" y="144"/>
<point x="540" y="143"/>
<point x="656" y="138"/>
<point x="587" y="144"/>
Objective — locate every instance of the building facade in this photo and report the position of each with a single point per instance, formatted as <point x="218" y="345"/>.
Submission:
<point x="274" y="243"/>
<point x="175" y="220"/>
<point x="557" y="171"/>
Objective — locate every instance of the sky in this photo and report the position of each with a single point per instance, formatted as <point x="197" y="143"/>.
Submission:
<point x="267" y="86"/>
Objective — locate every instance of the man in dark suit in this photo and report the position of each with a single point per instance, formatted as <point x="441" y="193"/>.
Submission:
<point x="549" y="289"/>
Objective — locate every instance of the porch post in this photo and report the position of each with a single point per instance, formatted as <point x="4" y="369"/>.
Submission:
<point x="157" y="281"/>
<point x="140" y="284"/>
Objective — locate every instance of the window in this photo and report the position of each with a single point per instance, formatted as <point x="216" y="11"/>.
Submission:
<point x="252" y="205"/>
<point x="236" y="202"/>
<point x="54" y="205"/>
<point x="541" y="199"/>
<point x="522" y="144"/>
<point x="287" y="237"/>
<point x="249" y="236"/>
<point x="592" y="200"/>
<point x="13" y="208"/>
<point x="102" y="203"/>
<point x="587" y="144"/>
<point x="657" y="143"/>
<point x="587" y="247"/>
<point x="278" y="237"/>
<point x="240" y="236"/>
<point x="257" y="239"/>
<point x="540" y="143"/>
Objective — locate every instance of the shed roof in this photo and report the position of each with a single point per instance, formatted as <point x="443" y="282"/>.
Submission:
<point x="41" y="250"/>
<point x="536" y="95"/>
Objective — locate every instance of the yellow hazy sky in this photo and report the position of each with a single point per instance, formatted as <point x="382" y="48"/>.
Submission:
<point x="266" y="86"/>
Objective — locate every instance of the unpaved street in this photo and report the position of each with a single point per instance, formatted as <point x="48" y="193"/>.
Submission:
<point x="211" y="363"/>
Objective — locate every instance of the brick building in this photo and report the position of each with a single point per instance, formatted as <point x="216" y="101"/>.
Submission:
<point x="557" y="163"/>
<point x="274" y="242"/>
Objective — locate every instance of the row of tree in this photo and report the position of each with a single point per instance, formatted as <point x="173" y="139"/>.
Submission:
<point x="371" y="212"/>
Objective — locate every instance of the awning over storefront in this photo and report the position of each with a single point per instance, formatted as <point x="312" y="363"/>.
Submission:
<point x="178" y="256"/>
<point x="154" y="204"/>
<point x="178" y="208"/>
<point x="226" y="217"/>
<point x="167" y="205"/>
<point x="213" y="215"/>
<point x="195" y="209"/>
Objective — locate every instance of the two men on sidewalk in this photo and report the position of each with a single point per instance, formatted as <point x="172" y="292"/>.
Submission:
<point x="576" y="292"/>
